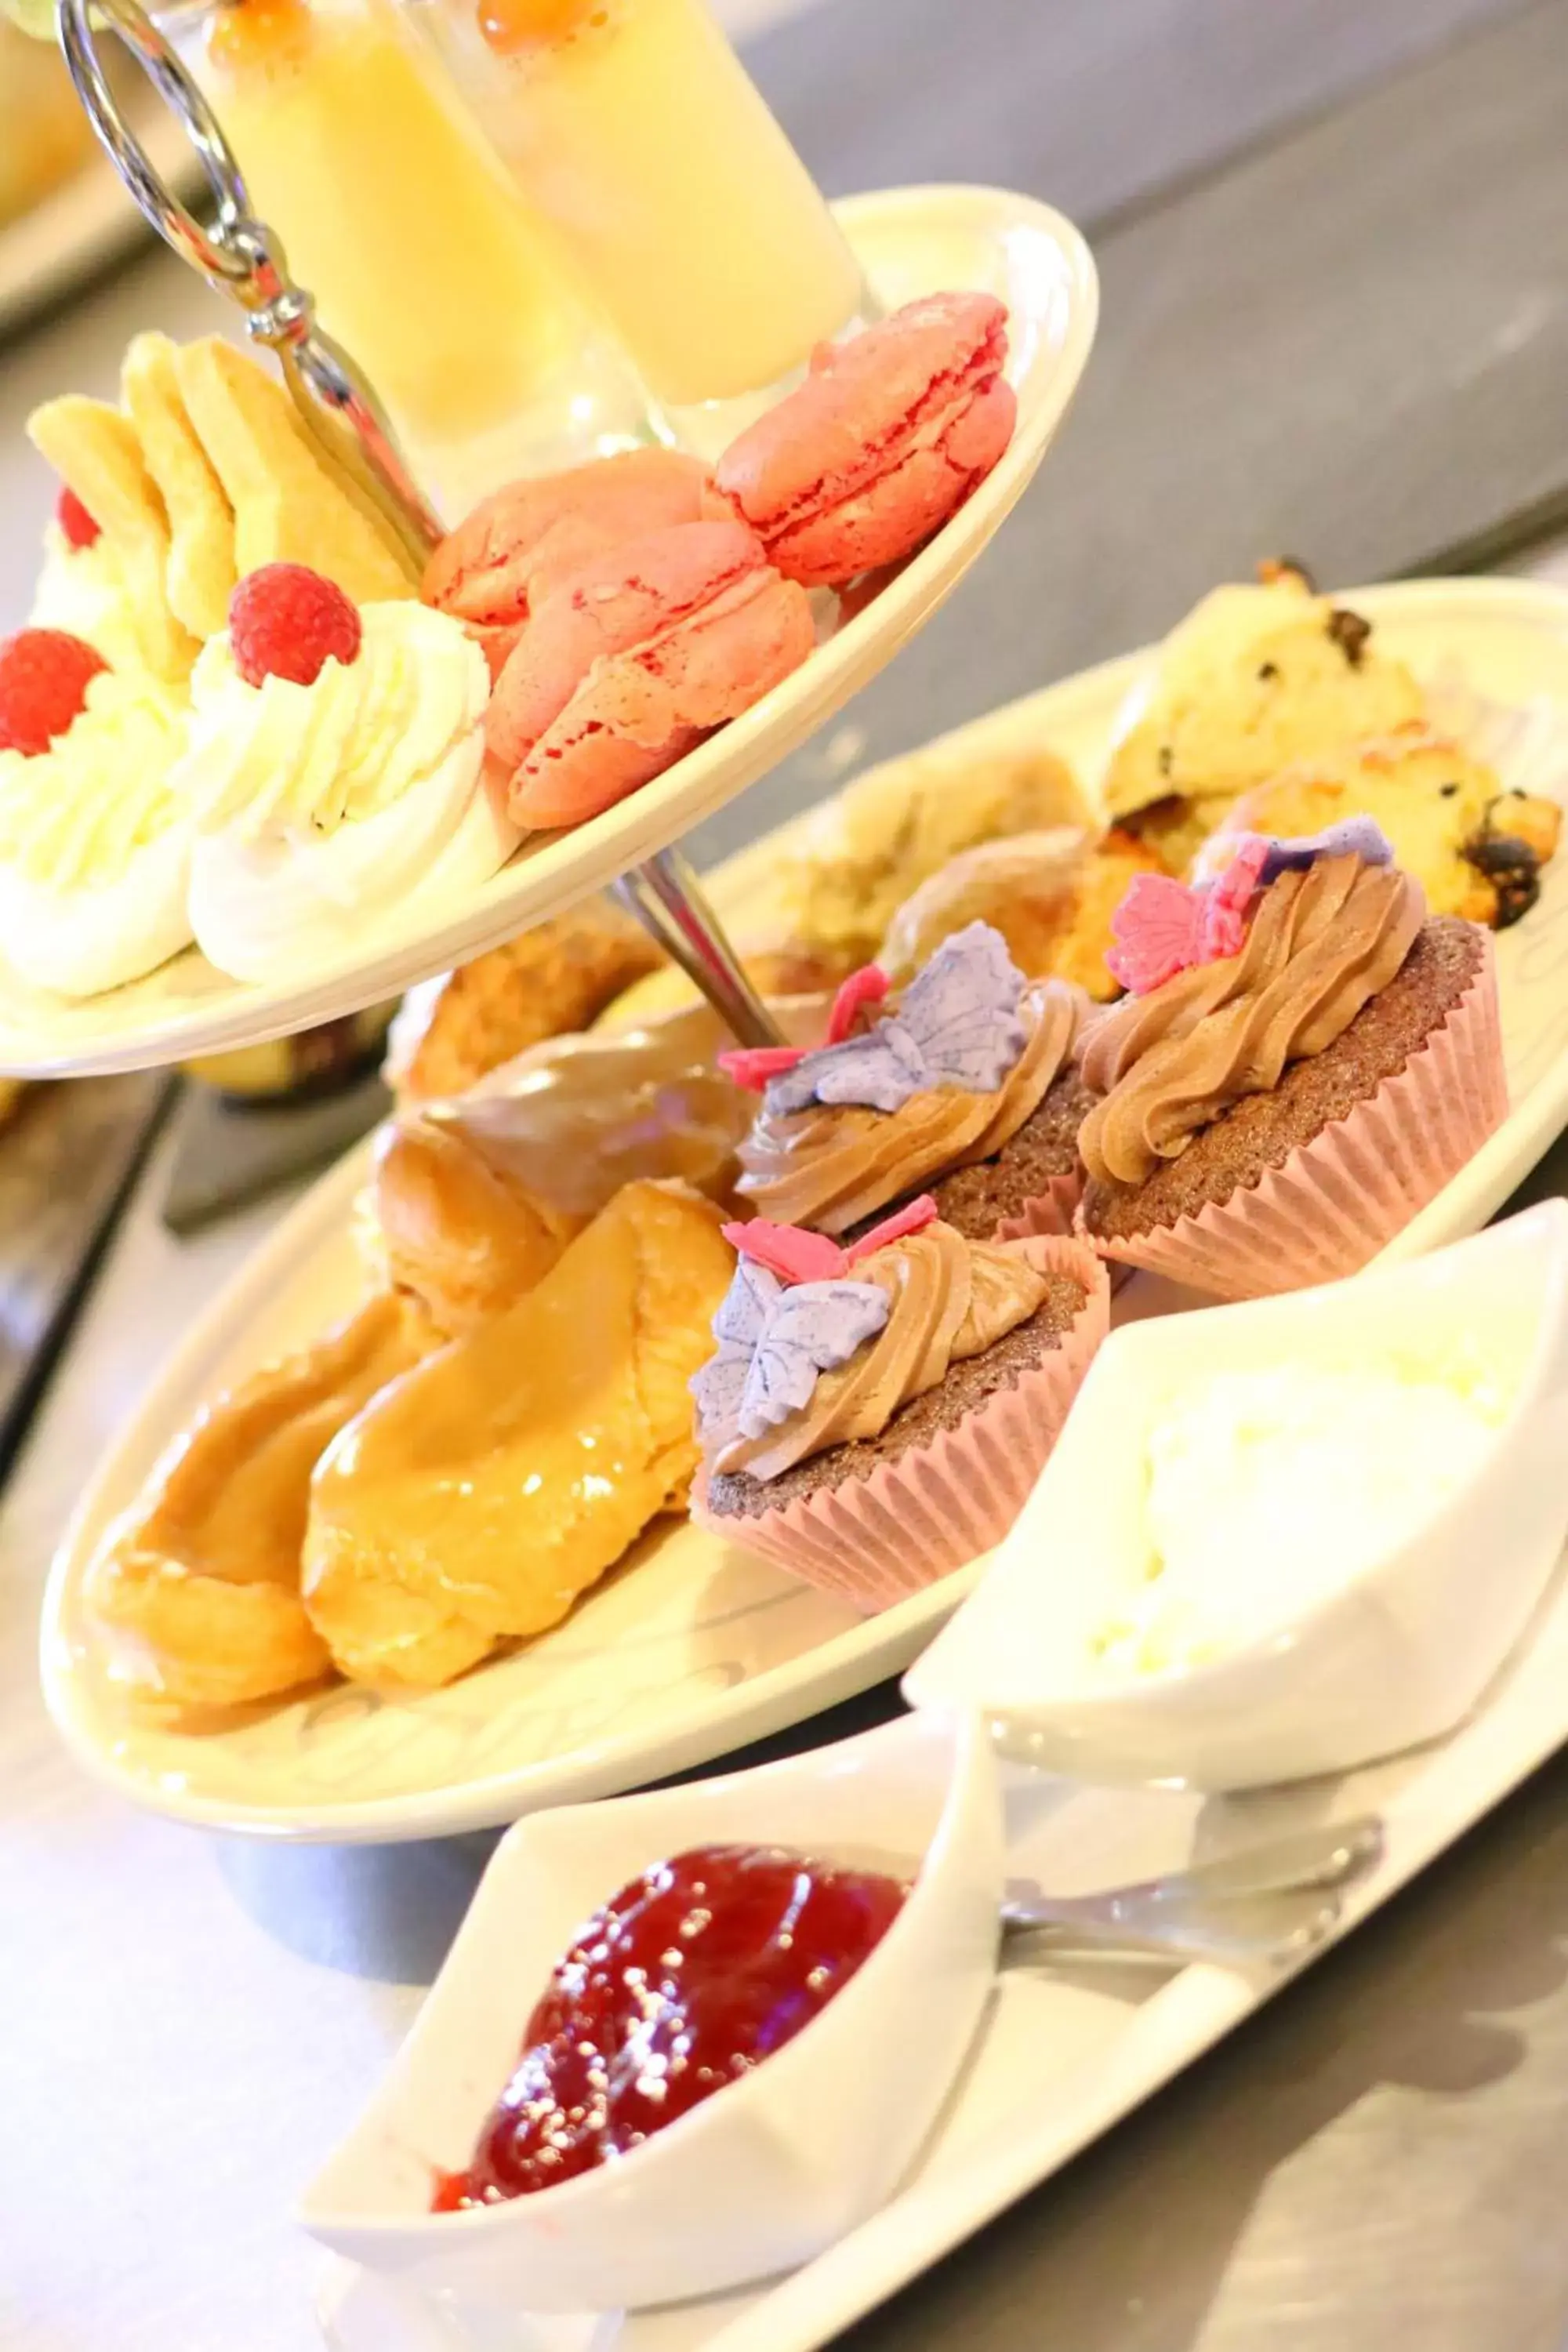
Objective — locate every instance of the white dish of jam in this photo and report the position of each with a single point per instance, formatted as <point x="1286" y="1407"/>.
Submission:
<point x="697" y="1970"/>
<point x="735" y="2060"/>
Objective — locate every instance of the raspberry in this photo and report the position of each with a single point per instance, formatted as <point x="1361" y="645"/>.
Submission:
<point x="80" y="528"/>
<point x="286" y="621"/>
<point x="44" y="676"/>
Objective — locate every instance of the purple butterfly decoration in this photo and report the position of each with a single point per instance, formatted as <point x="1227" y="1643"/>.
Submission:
<point x="1354" y="837"/>
<point x="958" y="1025"/>
<point x="773" y="1341"/>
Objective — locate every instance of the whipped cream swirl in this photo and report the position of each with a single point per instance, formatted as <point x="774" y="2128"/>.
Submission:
<point x="84" y="590"/>
<point x="279" y="757"/>
<point x="95" y="842"/>
<point x="72" y="816"/>
<point x="317" y="807"/>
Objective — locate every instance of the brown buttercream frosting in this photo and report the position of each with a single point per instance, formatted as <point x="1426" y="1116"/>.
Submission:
<point x="830" y="1167"/>
<point x="951" y="1299"/>
<point x="1321" y="943"/>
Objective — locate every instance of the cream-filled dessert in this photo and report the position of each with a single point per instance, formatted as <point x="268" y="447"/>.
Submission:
<point x="83" y="588"/>
<point x="1266" y="1490"/>
<point x="94" y="835"/>
<point x="335" y="771"/>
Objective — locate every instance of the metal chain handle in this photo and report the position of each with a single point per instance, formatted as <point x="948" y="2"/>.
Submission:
<point x="243" y="258"/>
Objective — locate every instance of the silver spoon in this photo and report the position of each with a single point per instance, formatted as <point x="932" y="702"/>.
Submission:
<point x="1273" y="1900"/>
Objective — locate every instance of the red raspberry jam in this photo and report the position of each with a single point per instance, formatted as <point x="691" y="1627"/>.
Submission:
<point x="687" y="1978"/>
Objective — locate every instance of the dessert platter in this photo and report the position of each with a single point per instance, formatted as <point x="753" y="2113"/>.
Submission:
<point x="695" y="1643"/>
<point x="1028" y="1240"/>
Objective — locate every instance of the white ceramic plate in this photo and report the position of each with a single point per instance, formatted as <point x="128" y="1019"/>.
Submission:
<point x="911" y="241"/>
<point x="1065" y="2052"/>
<point x="693" y="1648"/>
<point x="788" y="2160"/>
<point x="688" y="1650"/>
<point x="86" y="222"/>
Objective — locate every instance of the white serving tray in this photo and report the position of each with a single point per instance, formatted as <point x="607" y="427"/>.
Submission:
<point x="1066" y="2052"/>
<point x="693" y="1648"/>
<point x="911" y="241"/>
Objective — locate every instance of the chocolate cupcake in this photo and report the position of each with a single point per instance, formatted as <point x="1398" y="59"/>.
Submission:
<point x="875" y="1416"/>
<point x="965" y="1083"/>
<point x="1305" y="1060"/>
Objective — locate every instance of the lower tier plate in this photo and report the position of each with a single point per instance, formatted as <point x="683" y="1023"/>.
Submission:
<point x="690" y="1648"/>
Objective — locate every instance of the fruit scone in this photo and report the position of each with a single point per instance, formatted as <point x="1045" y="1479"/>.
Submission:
<point x="95" y="839"/>
<point x="1273" y="709"/>
<point x="1476" y="849"/>
<point x="1254" y="680"/>
<point x="336" y="771"/>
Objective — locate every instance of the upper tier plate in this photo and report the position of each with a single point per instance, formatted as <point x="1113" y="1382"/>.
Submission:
<point x="911" y="241"/>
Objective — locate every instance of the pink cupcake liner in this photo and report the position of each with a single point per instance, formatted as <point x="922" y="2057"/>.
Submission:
<point x="1049" y="1213"/>
<point x="1339" y="1200"/>
<point x="875" y="1540"/>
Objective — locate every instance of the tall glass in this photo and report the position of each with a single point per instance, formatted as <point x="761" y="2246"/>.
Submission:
<point x="634" y="127"/>
<point x="422" y="254"/>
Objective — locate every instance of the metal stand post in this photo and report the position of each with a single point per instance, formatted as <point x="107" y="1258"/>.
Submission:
<point x="667" y="898"/>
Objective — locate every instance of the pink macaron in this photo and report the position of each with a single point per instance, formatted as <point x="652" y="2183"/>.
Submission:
<point x="888" y="436"/>
<point x="632" y="659"/>
<point x="504" y="557"/>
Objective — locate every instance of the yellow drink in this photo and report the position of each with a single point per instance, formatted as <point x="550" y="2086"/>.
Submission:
<point x="424" y="260"/>
<point x="632" y="124"/>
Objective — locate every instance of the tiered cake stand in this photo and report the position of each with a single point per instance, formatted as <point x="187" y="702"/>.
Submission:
<point x="712" y="1642"/>
<point x="910" y="241"/>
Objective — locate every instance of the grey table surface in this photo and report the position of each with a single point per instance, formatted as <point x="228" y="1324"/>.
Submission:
<point x="1343" y="335"/>
<point x="1349" y="340"/>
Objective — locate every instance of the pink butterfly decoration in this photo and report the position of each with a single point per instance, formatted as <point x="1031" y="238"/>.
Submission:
<point x="1229" y="897"/>
<point x="869" y="985"/>
<point x="796" y="1256"/>
<point x="1164" y="927"/>
<point x="753" y="1065"/>
<point x="912" y="1218"/>
<point x="1158" y="930"/>
<point x="788" y="1250"/>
